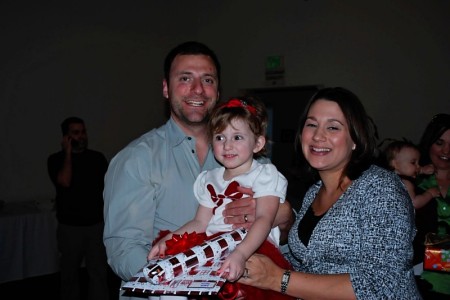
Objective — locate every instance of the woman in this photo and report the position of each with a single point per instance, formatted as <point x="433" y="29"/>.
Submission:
<point x="435" y="216"/>
<point x="353" y="235"/>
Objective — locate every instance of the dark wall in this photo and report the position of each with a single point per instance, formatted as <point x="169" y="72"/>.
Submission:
<point x="102" y="61"/>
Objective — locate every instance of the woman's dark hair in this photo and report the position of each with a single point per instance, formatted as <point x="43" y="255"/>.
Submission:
<point x="362" y="129"/>
<point x="434" y="130"/>
<point x="190" y="48"/>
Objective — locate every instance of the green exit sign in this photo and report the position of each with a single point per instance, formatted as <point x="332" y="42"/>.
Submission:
<point x="275" y="62"/>
<point x="275" y="70"/>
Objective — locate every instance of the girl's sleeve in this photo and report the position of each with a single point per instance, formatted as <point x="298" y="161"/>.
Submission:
<point x="270" y="182"/>
<point x="200" y="191"/>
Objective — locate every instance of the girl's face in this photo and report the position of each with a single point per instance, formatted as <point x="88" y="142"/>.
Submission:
<point x="440" y="152"/>
<point x="406" y="162"/>
<point x="234" y="147"/>
<point x="326" y="141"/>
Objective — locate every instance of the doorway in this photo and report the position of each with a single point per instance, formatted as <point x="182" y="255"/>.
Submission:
<point x="285" y="105"/>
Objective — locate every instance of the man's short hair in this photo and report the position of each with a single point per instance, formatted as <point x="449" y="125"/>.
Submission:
<point x="190" y="48"/>
<point x="70" y="120"/>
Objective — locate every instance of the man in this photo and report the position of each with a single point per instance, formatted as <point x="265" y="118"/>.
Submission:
<point x="78" y="175"/>
<point x="149" y="184"/>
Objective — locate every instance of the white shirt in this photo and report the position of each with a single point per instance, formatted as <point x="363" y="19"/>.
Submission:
<point x="211" y="191"/>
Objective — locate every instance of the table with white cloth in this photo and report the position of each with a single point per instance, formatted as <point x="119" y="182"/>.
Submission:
<point x="27" y="241"/>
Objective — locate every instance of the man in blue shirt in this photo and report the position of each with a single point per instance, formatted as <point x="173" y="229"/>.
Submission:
<point x="149" y="184"/>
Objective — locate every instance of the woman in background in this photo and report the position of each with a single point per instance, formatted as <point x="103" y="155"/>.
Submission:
<point x="435" y="216"/>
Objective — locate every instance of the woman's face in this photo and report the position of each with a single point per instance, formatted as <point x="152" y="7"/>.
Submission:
<point x="440" y="152"/>
<point x="326" y="141"/>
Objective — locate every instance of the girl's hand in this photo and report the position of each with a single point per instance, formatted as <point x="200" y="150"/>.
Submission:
<point x="434" y="191"/>
<point x="159" y="249"/>
<point x="234" y="264"/>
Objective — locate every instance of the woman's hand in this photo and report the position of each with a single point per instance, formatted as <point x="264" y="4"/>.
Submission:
<point x="262" y="273"/>
<point x="427" y="169"/>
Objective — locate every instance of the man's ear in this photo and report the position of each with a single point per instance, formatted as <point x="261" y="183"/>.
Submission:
<point x="165" y="89"/>
<point x="260" y="142"/>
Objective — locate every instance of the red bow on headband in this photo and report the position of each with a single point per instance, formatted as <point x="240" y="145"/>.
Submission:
<point x="240" y="103"/>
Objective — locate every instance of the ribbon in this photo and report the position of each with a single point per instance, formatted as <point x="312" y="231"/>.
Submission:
<point x="231" y="192"/>
<point x="182" y="242"/>
<point x="229" y="291"/>
<point x="239" y="103"/>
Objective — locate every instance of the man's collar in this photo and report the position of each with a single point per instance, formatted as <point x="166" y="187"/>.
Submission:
<point x="174" y="133"/>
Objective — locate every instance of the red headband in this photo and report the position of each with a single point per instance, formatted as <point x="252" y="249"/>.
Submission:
<point x="239" y="103"/>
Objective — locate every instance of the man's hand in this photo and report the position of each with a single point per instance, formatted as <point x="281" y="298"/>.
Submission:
<point x="241" y="213"/>
<point x="66" y="144"/>
<point x="284" y="220"/>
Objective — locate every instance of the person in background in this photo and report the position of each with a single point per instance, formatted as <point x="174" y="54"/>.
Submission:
<point x="148" y="185"/>
<point x="77" y="174"/>
<point x="403" y="157"/>
<point x="435" y="216"/>
<point x="237" y="130"/>
<point x="353" y="235"/>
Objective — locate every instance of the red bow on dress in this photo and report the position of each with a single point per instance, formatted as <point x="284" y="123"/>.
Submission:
<point x="231" y="192"/>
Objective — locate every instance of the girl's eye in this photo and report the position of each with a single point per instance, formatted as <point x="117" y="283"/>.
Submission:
<point x="218" y="138"/>
<point x="333" y="128"/>
<point x="238" y="137"/>
<point x="310" y="125"/>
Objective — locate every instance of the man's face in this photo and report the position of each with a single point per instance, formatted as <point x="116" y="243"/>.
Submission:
<point x="192" y="89"/>
<point x="78" y="135"/>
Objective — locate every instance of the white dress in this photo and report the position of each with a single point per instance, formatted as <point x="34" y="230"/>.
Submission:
<point x="214" y="192"/>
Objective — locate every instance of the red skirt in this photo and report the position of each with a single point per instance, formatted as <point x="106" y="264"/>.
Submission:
<point x="230" y="290"/>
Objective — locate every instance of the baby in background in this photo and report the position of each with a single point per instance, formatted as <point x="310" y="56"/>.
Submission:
<point x="402" y="157"/>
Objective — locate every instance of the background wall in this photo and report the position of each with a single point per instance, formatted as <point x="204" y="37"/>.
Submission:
<point x="102" y="61"/>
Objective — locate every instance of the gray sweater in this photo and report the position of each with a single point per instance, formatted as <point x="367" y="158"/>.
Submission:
<point x="367" y="233"/>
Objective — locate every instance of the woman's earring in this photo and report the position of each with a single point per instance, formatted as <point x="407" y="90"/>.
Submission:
<point x="354" y="147"/>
